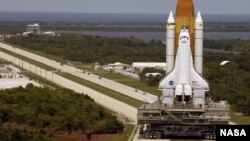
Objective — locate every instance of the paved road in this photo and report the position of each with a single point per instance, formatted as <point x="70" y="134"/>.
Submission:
<point x="100" y="98"/>
<point x="136" y="138"/>
<point x="232" y="123"/>
<point x="123" y="89"/>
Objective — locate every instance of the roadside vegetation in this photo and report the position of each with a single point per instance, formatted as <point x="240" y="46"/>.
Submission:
<point x="116" y="95"/>
<point x="2" y="62"/>
<point x="89" y="49"/>
<point x="46" y="111"/>
<point x="132" y="82"/>
<point x="239" y="118"/>
<point x="24" y="58"/>
<point x="122" y="136"/>
<point x="151" y="80"/>
<point x="229" y="82"/>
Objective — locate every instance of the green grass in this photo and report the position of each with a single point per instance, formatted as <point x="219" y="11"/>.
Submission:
<point x="58" y="59"/>
<point x="122" y="136"/>
<point x="128" y="81"/>
<point x="36" y="63"/>
<point x="121" y="97"/>
<point x="239" y="118"/>
<point x="134" y="83"/>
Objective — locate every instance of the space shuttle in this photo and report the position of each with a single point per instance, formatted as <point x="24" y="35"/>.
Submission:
<point x="184" y="45"/>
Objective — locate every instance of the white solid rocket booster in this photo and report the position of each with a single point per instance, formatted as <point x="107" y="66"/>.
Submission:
<point x="198" y="63"/>
<point x="170" y="42"/>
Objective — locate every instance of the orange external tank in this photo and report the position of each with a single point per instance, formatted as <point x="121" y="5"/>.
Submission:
<point x="185" y="16"/>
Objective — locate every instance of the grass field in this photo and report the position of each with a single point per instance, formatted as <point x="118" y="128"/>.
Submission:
<point x="239" y="118"/>
<point x="134" y="83"/>
<point x="121" y="97"/>
<point x="128" y="81"/>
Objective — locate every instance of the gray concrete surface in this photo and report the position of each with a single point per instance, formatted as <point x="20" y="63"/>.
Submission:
<point x="123" y="89"/>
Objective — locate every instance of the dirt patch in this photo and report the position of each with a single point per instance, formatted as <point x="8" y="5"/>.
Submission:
<point x="77" y="136"/>
<point x="59" y="134"/>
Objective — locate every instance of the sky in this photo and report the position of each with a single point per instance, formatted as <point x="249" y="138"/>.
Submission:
<point x="123" y="6"/>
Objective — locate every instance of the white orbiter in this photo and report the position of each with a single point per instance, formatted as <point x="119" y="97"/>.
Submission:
<point x="184" y="81"/>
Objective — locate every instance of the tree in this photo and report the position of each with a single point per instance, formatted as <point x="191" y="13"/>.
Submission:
<point x="151" y="80"/>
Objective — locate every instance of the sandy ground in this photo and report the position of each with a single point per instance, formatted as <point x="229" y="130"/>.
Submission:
<point x="16" y="81"/>
<point x="13" y="83"/>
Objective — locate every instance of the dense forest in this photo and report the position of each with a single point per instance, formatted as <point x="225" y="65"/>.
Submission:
<point x="47" y="110"/>
<point x="229" y="82"/>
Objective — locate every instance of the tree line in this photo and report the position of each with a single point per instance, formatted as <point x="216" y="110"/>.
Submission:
<point x="59" y="108"/>
<point x="89" y="49"/>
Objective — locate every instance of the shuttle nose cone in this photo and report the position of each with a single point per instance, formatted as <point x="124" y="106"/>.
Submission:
<point x="171" y="19"/>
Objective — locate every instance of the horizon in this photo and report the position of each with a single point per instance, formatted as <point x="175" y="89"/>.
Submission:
<point x="117" y="13"/>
